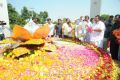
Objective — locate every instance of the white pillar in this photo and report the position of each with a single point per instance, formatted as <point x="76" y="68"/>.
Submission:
<point x="95" y="8"/>
<point x="4" y="16"/>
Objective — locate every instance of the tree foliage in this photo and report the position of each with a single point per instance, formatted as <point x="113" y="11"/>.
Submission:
<point x="13" y="14"/>
<point x="25" y="14"/>
<point x="20" y="18"/>
<point x="104" y="17"/>
<point x="43" y="16"/>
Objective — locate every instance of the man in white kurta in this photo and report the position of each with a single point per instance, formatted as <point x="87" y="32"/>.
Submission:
<point x="67" y="29"/>
<point x="87" y="24"/>
<point x="79" y="31"/>
<point x="52" y="28"/>
<point x="97" y="34"/>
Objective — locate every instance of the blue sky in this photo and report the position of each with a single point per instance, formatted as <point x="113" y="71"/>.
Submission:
<point x="66" y="8"/>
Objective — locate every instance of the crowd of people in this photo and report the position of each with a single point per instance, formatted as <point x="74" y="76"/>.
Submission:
<point x="94" y="31"/>
<point x="91" y="31"/>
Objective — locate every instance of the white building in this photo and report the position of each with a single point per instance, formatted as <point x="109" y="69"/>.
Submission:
<point x="95" y="8"/>
<point x="4" y="16"/>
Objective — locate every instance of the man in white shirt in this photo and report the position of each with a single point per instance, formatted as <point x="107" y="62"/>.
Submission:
<point x="80" y="19"/>
<point x="87" y="24"/>
<point x="79" y="31"/>
<point x="67" y="29"/>
<point x="52" y="27"/>
<point x="97" y="34"/>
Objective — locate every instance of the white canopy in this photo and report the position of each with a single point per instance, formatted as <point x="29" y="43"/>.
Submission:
<point x="31" y="26"/>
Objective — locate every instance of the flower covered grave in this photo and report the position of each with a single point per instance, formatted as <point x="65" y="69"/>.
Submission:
<point x="38" y="59"/>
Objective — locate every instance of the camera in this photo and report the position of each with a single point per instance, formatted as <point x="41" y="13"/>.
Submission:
<point x="2" y="23"/>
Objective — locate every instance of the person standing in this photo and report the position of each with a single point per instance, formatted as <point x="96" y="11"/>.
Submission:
<point x="114" y="46"/>
<point x="80" y="20"/>
<point x="80" y="30"/>
<point x="119" y="51"/>
<point x="116" y="33"/>
<point x="2" y="36"/>
<point x="92" y="21"/>
<point x="52" y="27"/>
<point x="108" y="25"/>
<point x="67" y="29"/>
<point x="119" y="43"/>
<point x="59" y="28"/>
<point x="87" y="25"/>
<point x="97" y="34"/>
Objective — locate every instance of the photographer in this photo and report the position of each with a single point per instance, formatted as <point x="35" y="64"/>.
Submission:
<point x="2" y="36"/>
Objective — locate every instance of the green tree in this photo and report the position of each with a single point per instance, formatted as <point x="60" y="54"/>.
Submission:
<point x="25" y="13"/>
<point x="13" y="14"/>
<point x="35" y="15"/>
<point x="104" y="17"/>
<point x="16" y="18"/>
<point x="43" y="16"/>
<point x="21" y="21"/>
<point x="64" y="20"/>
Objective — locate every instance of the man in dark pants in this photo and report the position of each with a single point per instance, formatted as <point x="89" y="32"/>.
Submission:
<point x="109" y="25"/>
<point x="59" y="28"/>
<point x="1" y="30"/>
<point x="114" y="46"/>
<point x="2" y="36"/>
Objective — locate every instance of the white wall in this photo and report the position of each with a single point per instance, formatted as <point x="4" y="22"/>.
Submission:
<point x="95" y="8"/>
<point x="4" y="16"/>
